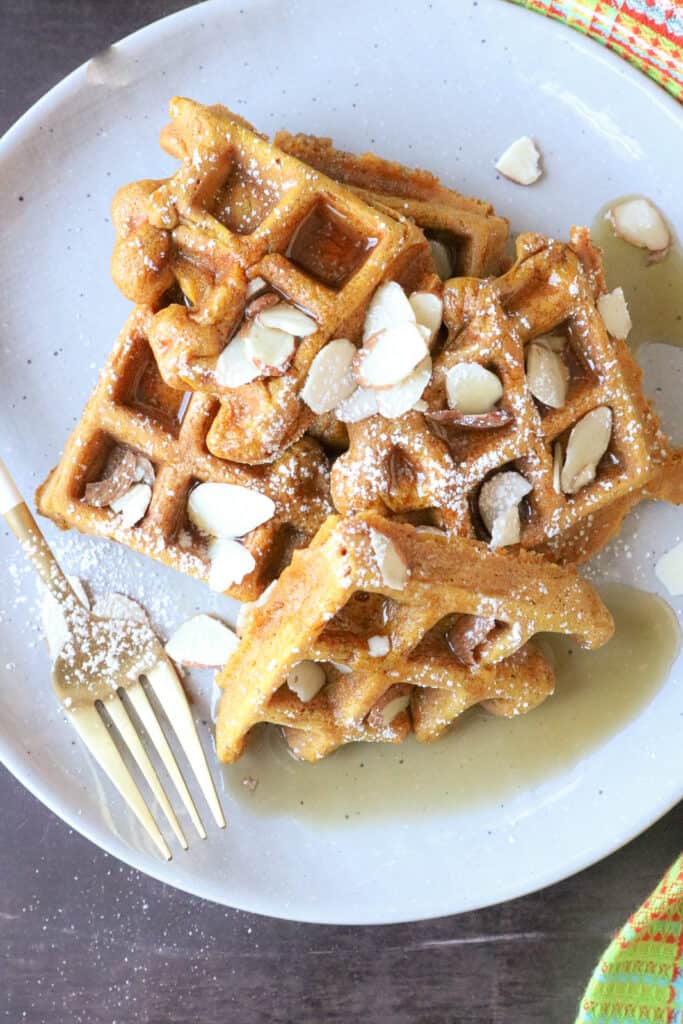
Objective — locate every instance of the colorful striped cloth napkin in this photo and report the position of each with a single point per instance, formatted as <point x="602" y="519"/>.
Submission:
<point x="640" y="976"/>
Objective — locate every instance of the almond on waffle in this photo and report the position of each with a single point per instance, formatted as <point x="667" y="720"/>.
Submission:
<point x="388" y="608"/>
<point x="537" y="430"/>
<point x="239" y="226"/>
<point x="135" y="420"/>
<point x="467" y="238"/>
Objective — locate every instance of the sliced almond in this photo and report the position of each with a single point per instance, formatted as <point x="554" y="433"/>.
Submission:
<point x="388" y="307"/>
<point x="553" y="342"/>
<point x="234" y="368"/>
<point x="393" y="708"/>
<point x="613" y="309"/>
<point x="588" y="442"/>
<point x="639" y="222"/>
<point x="144" y="470"/>
<point x="269" y="349"/>
<point x="378" y="646"/>
<point x="428" y="310"/>
<point x="468" y="632"/>
<point x="287" y="318"/>
<point x="669" y="570"/>
<point x="390" y="562"/>
<point x="521" y="162"/>
<point x="390" y="355"/>
<point x="54" y="624"/>
<point x="255" y="287"/>
<point x="473" y="421"/>
<point x="547" y="375"/>
<point x="306" y="679"/>
<point x="132" y="505"/>
<point x="119" y="606"/>
<point x="330" y="379"/>
<point x="358" y="406"/>
<point x="120" y="473"/>
<point x="471" y="388"/>
<point x="202" y="642"/>
<point x="499" y="501"/>
<point x="443" y="263"/>
<point x="228" y="510"/>
<point x="230" y="563"/>
<point x="345" y="670"/>
<point x="558" y="459"/>
<point x="393" y="402"/>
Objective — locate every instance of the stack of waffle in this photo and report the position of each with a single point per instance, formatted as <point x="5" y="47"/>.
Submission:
<point x="337" y="401"/>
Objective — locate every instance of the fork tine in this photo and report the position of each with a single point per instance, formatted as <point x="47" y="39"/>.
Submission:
<point x="92" y="730"/>
<point x="145" y="711"/>
<point x="165" y="683"/>
<point x="116" y="710"/>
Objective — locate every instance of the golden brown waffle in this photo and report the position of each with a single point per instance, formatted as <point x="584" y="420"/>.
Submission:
<point x="473" y="236"/>
<point x="418" y="466"/>
<point x="133" y="407"/>
<point x="240" y="209"/>
<point x="334" y="597"/>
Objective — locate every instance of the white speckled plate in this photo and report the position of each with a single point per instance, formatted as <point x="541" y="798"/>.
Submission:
<point x="448" y="86"/>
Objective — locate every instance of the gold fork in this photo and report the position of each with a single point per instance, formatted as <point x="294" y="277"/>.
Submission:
<point x="102" y="660"/>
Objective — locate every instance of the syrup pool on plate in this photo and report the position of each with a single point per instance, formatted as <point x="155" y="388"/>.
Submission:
<point x="654" y="292"/>
<point x="484" y="759"/>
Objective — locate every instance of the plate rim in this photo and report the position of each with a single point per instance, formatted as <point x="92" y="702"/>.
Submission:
<point x="103" y="837"/>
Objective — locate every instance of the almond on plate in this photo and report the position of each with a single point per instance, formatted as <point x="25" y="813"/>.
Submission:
<point x="228" y="510"/>
<point x="230" y="562"/>
<point x="521" y="162"/>
<point x="639" y="222"/>
<point x="202" y="642"/>
<point x="330" y="378"/>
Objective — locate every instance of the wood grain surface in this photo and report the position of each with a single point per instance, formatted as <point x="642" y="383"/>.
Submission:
<point x="86" y="940"/>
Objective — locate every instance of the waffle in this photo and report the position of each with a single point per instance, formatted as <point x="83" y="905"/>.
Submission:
<point x="419" y="468"/>
<point x="334" y="597"/>
<point x="473" y="237"/>
<point x="134" y="408"/>
<point x="240" y="209"/>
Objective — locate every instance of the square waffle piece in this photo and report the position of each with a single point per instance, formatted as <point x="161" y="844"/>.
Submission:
<point x="132" y="410"/>
<point x="383" y="610"/>
<point x="240" y="219"/>
<point x="433" y="466"/>
<point x="467" y="238"/>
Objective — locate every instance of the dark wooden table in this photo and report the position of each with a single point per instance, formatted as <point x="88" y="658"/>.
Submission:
<point x="86" y="940"/>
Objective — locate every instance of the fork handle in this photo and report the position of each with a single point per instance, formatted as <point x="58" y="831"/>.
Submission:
<point x="22" y="524"/>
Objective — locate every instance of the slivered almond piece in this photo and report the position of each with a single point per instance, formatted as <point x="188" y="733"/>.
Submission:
<point x="393" y="402"/>
<point x="228" y="510"/>
<point x="256" y="285"/>
<point x="466" y="634"/>
<point x="474" y="421"/>
<point x="202" y="642"/>
<point x="358" y="406"/>
<point x="132" y="505"/>
<point x="390" y="355"/>
<point x="547" y="376"/>
<point x="234" y="368"/>
<point x="144" y="470"/>
<point x="639" y="222"/>
<point x="120" y="473"/>
<point x="392" y="709"/>
<point x="287" y="318"/>
<point x="521" y="162"/>
<point x="330" y="379"/>
<point x="553" y="342"/>
<point x="443" y="263"/>
<point x="378" y="646"/>
<point x="388" y="307"/>
<point x="499" y="501"/>
<point x="471" y="388"/>
<point x="588" y="442"/>
<point x="428" y="309"/>
<point x="54" y="624"/>
<point x="269" y="349"/>
<point x="613" y="309"/>
<point x="306" y="679"/>
<point x="558" y="459"/>
<point x="391" y="563"/>
<point x="230" y="562"/>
